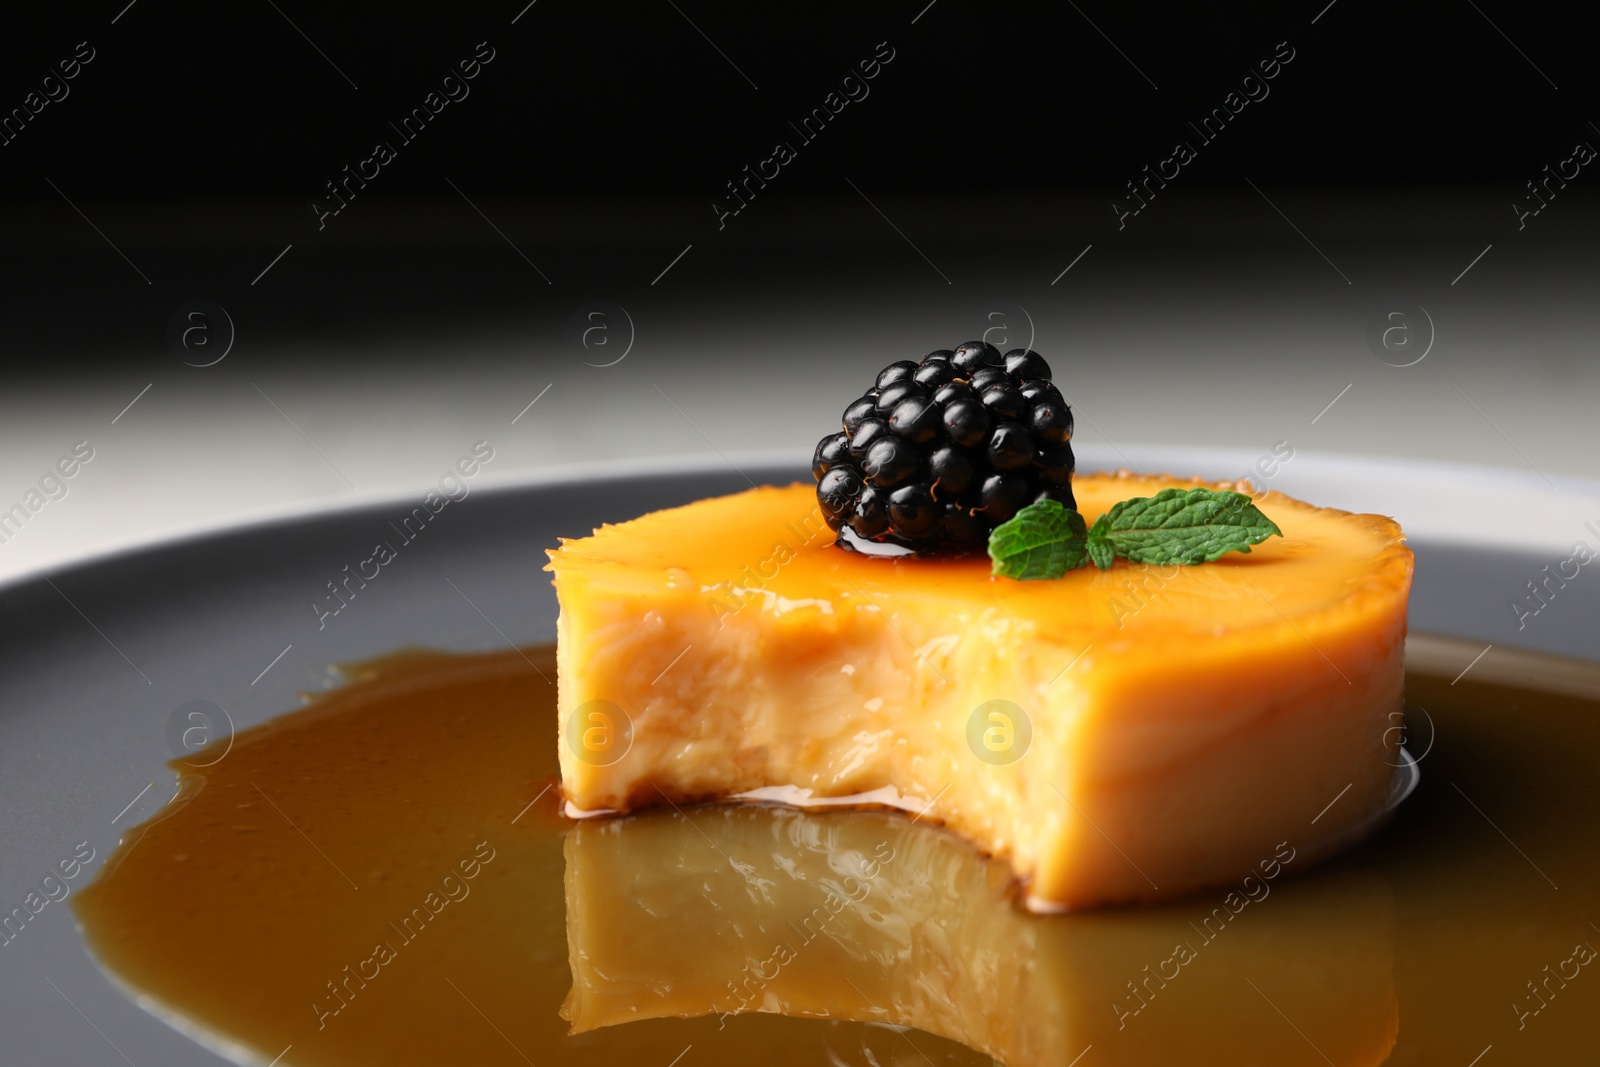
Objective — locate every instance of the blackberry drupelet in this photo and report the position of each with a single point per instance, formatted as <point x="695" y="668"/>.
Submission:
<point x="939" y="452"/>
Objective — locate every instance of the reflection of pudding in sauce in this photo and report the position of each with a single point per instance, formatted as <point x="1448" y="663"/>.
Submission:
<point x="255" y="903"/>
<point x="869" y="916"/>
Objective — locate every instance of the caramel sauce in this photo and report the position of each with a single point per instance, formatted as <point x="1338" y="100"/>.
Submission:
<point x="385" y="877"/>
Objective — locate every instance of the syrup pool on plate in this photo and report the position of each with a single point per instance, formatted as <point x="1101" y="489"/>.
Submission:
<point x="385" y="876"/>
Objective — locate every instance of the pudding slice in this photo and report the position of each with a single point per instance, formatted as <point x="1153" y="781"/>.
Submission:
<point x="1116" y="736"/>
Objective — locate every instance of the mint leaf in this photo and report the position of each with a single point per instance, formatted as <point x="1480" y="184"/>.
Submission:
<point x="1101" y="550"/>
<point x="1046" y="539"/>
<point x="1186" y="526"/>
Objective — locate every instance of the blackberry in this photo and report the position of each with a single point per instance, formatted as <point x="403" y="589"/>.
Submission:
<point x="1003" y="400"/>
<point x="889" y="462"/>
<point x="984" y="377"/>
<point x="938" y="452"/>
<point x="935" y="374"/>
<point x="899" y="371"/>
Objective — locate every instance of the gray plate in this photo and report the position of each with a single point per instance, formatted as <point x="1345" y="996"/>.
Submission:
<point x="95" y="660"/>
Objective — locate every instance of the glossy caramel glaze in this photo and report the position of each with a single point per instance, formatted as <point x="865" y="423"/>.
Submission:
<point x="384" y="877"/>
<point x="772" y="544"/>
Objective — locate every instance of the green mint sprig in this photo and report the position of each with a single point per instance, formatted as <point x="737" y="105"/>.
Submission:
<point x="1043" y="540"/>
<point x="1187" y="526"/>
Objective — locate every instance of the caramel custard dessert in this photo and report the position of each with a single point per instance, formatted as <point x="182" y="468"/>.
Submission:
<point x="1132" y="733"/>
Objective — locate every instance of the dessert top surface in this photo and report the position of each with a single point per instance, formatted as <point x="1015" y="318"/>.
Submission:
<point x="771" y="543"/>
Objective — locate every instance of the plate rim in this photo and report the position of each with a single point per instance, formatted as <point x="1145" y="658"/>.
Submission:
<point x="1429" y="475"/>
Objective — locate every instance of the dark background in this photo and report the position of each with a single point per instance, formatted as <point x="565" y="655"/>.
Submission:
<point x="190" y="99"/>
<point x="590" y="151"/>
